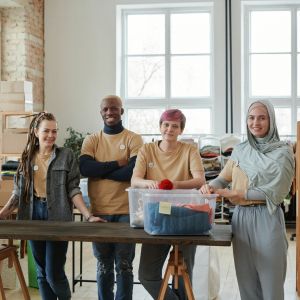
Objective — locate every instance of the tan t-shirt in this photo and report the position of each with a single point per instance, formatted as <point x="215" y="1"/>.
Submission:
<point x="109" y="196"/>
<point x="233" y="173"/>
<point x="40" y="169"/>
<point x="156" y="164"/>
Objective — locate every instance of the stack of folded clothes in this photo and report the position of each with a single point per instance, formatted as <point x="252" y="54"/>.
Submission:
<point x="9" y="169"/>
<point x="184" y="219"/>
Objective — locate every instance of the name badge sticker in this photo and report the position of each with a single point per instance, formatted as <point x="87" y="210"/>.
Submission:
<point x="164" y="208"/>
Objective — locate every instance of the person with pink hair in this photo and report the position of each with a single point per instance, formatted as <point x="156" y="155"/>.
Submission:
<point x="181" y="164"/>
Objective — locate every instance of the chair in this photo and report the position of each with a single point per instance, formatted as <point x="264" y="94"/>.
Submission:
<point x="10" y="252"/>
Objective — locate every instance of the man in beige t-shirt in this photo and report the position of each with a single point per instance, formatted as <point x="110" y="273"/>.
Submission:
<point x="107" y="159"/>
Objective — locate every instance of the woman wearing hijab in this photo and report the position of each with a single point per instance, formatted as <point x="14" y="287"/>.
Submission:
<point x="181" y="164"/>
<point x="260" y="170"/>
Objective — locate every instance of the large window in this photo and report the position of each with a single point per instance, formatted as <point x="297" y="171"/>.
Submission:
<point x="272" y="69"/>
<point x="167" y="62"/>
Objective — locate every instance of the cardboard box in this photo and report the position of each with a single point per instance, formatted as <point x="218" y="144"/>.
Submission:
<point x="13" y="143"/>
<point x="16" y="96"/>
<point x="16" y="87"/>
<point x="14" y="105"/>
<point x="6" y="188"/>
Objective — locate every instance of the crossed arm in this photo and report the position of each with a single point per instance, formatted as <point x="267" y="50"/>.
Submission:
<point x="119" y="170"/>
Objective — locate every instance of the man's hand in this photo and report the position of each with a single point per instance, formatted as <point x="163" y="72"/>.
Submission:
<point x="122" y="162"/>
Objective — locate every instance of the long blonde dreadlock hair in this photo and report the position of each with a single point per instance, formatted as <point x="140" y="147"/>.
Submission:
<point x="31" y="146"/>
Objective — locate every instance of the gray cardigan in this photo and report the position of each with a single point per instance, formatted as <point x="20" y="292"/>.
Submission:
<point x="63" y="179"/>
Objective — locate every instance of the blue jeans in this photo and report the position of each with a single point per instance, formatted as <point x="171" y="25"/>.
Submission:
<point x="50" y="259"/>
<point x="122" y="256"/>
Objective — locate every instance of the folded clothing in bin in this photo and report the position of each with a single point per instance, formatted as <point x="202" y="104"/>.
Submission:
<point x="136" y="202"/>
<point x="180" y="221"/>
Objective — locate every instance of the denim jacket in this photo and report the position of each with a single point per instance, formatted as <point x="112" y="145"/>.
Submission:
<point x="63" y="179"/>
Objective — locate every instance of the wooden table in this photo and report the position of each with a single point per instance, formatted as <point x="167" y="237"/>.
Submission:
<point x="113" y="233"/>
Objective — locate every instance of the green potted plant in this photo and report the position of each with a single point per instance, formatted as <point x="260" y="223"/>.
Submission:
<point x="74" y="141"/>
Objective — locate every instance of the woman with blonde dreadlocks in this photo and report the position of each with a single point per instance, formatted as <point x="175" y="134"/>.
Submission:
<point x="45" y="188"/>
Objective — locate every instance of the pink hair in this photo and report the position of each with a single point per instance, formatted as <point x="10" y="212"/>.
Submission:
<point x="173" y="115"/>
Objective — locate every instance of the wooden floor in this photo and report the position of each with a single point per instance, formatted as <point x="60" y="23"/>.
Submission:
<point x="228" y="283"/>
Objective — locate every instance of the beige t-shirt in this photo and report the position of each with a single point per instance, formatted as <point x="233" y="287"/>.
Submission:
<point x="109" y="196"/>
<point x="40" y="169"/>
<point x="233" y="173"/>
<point x="156" y="164"/>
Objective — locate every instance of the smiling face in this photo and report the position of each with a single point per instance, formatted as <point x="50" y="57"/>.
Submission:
<point x="111" y="110"/>
<point x="46" y="134"/>
<point x="258" y="121"/>
<point x="170" y="130"/>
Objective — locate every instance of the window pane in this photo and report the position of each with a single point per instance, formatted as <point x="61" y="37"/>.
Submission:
<point x="190" y="33"/>
<point x="298" y="75"/>
<point x="283" y="120"/>
<point x="146" y="77"/>
<point x="144" y="121"/>
<point x="146" y="34"/>
<point x="298" y="30"/>
<point x="190" y="76"/>
<point x="198" y="121"/>
<point x="270" y="75"/>
<point x="268" y="34"/>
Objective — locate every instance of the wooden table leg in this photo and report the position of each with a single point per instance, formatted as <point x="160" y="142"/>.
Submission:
<point x="188" y="285"/>
<point x="176" y="267"/>
<point x="2" y="294"/>
<point x="10" y="262"/>
<point x="164" y="284"/>
<point x="20" y="275"/>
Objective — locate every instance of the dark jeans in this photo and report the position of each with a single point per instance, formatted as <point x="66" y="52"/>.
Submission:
<point x="50" y="259"/>
<point x="122" y="256"/>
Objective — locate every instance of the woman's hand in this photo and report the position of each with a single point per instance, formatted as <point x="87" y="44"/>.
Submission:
<point x="9" y="207"/>
<point x="236" y="197"/>
<point x="94" y="219"/>
<point x="151" y="184"/>
<point x="207" y="189"/>
<point x="138" y="181"/>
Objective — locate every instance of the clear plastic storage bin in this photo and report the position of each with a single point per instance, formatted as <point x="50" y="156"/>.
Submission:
<point x="136" y="204"/>
<point x="178" y="214"/>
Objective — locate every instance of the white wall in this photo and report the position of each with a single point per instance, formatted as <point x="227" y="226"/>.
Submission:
<point x="80" y="60"/>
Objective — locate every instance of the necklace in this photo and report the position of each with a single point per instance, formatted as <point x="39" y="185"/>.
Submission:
<point x="41" y="159"/>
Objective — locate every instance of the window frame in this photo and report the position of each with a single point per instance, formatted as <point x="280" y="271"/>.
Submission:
<point x="167" y="101"/>
<point x="292" y="101"/>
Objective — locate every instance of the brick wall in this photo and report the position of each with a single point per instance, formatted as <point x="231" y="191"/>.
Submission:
<point x="22" y="46"/>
